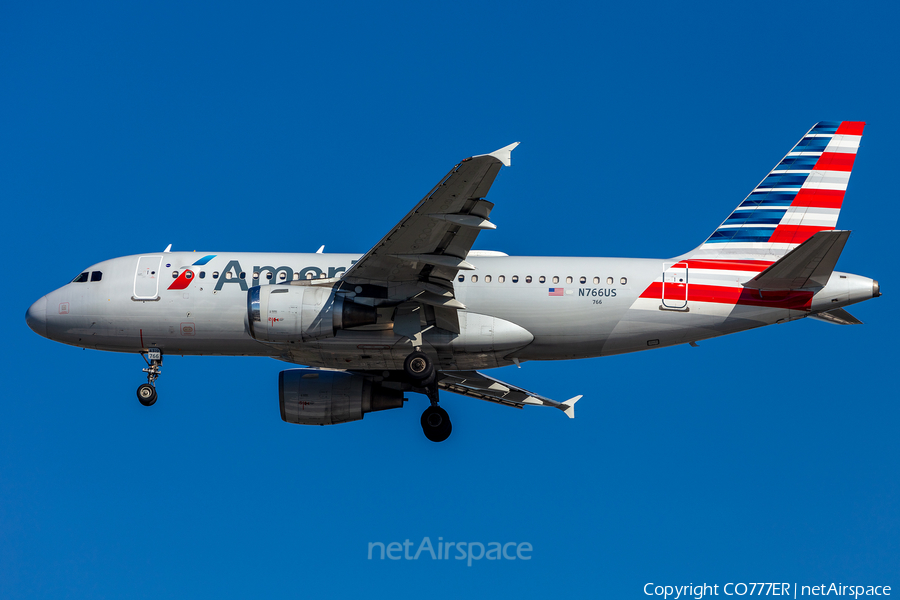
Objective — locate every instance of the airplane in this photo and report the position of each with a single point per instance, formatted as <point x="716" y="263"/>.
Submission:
<point x="422" y="312"/>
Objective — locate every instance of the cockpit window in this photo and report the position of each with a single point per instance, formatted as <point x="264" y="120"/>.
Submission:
<point x="96" y="276"/>
<point x="81" y="278"/>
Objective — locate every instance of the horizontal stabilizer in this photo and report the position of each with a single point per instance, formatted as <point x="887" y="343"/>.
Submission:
<point x="837" y="316"/>
<point x="808" y="266"/>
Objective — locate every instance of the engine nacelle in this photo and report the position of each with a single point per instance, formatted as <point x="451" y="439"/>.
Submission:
<point x="288" y="313"/>
<point x="324" y="397"/>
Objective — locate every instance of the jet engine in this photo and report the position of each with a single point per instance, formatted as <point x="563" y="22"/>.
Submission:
<point x="288" y="313"/>
<point x="325" y="397"/>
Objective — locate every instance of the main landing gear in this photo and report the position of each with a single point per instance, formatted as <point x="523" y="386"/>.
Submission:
<point x="146" y="392"/>
<point x="436" y="423"/>
<point x="435" y="420"/>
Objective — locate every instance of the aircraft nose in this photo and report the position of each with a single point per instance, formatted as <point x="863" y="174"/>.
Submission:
<point x="36" y="317"/>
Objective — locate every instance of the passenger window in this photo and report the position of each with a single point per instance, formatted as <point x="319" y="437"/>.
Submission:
<point x="255" y="275"/>
<point x="296" y="276"/>
<point x="323" y="275"/>
<point x="515" y="279"/>
<point x="282" y="276"/>
<point x="461" y="278"/>
<point x="623" y="281"/>
<point x="556" y="279"/>
<point x="96" y="276"/>
<point x="596" y="280"/>
<point x="501" y="278"/>
<point x="269" y="275"/>
<point x="487" y="278"/>
<point x="215" y="274"/>
<point x="174" y="274"/>
<point x="474" y="278"/>
<point x="528" y="279"/>
<point x="569" y="279"/>
<point x="81" y="278"/>
<point x="202" y="274"/>
<point x="583" y="279"/>
<point x="309" y="275"/>
<point x="609" y="281"/>
<point x="542" y="279"/>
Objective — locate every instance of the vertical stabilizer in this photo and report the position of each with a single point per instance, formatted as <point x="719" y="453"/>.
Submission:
<point x="801" y="196"/>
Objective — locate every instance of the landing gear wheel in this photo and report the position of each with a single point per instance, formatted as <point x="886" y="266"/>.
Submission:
<point x="436" y="424"/>
<point x="418" y="366"/>
<point x="146" y="394"/>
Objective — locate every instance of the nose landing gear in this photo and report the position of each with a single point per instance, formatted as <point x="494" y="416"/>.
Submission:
<point x="146" y="392"/>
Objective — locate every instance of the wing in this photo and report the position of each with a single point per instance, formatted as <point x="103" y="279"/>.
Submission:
<point x="426" y="249"/>
<point x="479" y="385"/>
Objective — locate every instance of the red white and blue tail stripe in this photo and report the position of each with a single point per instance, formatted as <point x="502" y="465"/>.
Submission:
<point x="799" y="197"/>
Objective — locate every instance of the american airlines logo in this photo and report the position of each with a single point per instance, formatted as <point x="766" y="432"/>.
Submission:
<point x="234" y="273"/>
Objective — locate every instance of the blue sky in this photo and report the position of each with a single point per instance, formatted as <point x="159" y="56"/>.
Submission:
<point x="770" y="455"/>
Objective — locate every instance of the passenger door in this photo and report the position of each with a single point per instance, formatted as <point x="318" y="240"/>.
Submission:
<point x="146" y="278"/>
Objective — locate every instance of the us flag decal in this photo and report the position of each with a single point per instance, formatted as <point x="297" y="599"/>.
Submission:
<point x="556" y="292"/>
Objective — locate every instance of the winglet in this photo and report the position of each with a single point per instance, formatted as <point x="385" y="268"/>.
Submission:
<point x="570" y="406"/>
<point x="503" y="154"/>
<point x="321" y="249"/>
<point x="168" y="248"/>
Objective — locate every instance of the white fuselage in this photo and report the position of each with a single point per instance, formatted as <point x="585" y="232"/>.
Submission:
<point x="516" y="308"/>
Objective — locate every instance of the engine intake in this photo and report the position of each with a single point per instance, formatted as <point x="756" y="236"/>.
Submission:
<point x="323" y="397"/>
<point x="287" y="313"/>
